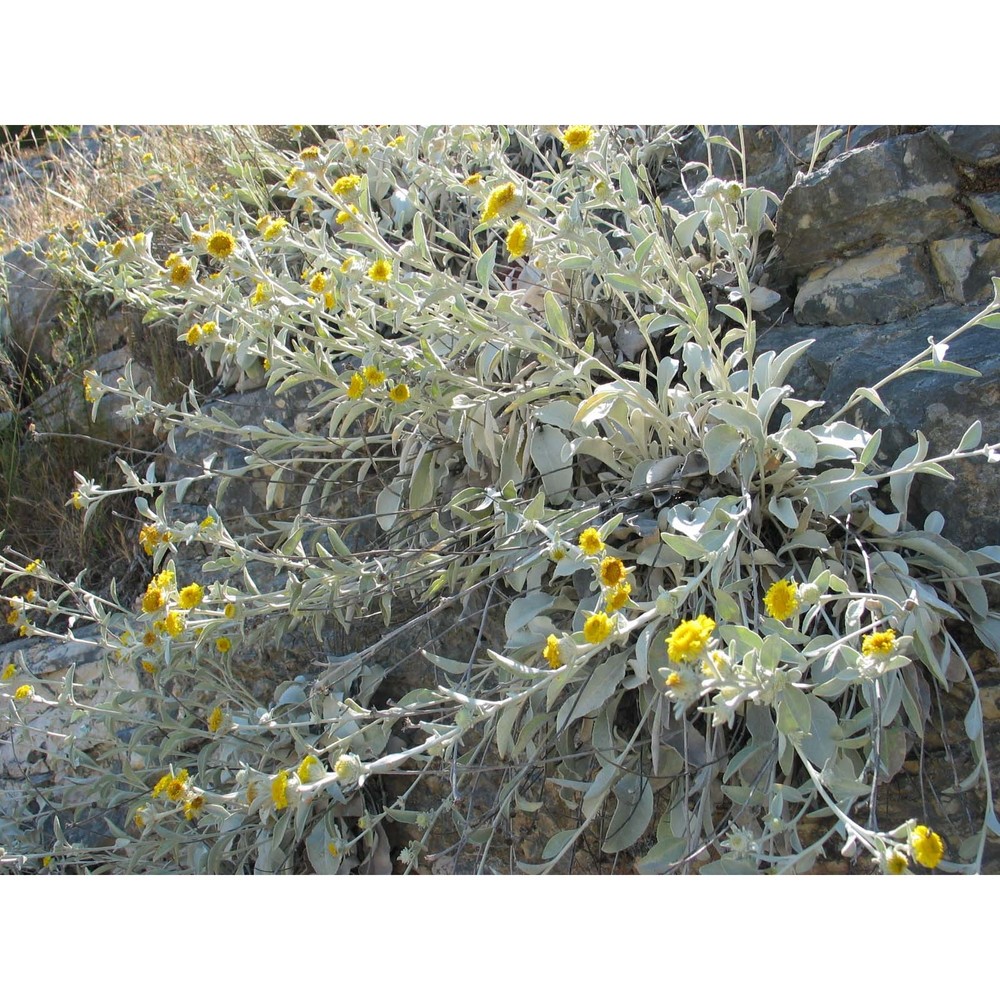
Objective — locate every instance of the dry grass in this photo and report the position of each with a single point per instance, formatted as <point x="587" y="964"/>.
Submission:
<point x="88" y="177"/>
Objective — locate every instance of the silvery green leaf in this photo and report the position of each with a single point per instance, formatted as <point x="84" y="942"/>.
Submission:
<point x="555" y="318"/>
<point x="626" y="183"/>
<point x="600" y="686"/>
<point x="523" y="609"/>
<point x="784" y="511"/>
<point x="485" y="264"/>
<point x="632" y="813"/>
<point x="685" y="229"/>
<point x="948" y="367"/>
<point x="721" y="444"/>
<point x="558" y="843"/>
<point x="549" y="448"/>
<point x="800" y="445"/>
<point x="663" y="855"/>
<point x="794" y="712"/>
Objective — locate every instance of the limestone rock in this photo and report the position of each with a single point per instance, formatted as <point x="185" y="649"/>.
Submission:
<point x="877" y="287"/>
<point x="965" y="266"/>
<point x="901" y="191"/>
<point x="974" y="144"/>
<point x="62" y="409"/>
<point x="986" y="209"/>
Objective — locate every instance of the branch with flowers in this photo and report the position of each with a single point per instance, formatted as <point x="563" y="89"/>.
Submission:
<point x="713" y="633"/>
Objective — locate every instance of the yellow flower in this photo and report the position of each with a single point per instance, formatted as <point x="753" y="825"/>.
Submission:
<point x="597" y="628"/>
<point x="174" y="623"/>
<point x="399" y="393"/>
<point x="590" y="541"/>
<point x="346" y="265"/>
<point x="274" y="229"/>
<point x="164" y="578"/>
<point x="152" y="600"/>
<point x="879" y="645"/>
<point x="279" y="790"/>
<point x="76" y="500"/>
<point x="148" y="538"/>
<point x="149" y="666"/>
<point x="215" y="719"/>
<point x="260" y="294"/>
<point x="357" y="387"/>
<point x="32" y="566"/>
<point x="310" y="769"/>
<point x="518" y="240"/>
<point x="318" y="282"/>
<point x="229" y="610"/>
<point x="329" y="300"/>
<point x="8" y="672"/>
<point x="612" y="571"/>
<point x="618" y="597"/>
<point x="149" y="638"/>
<point x="24" y="692"/>
<point x="473" y="180"/>
<point x="177" y="786"/>
<point x="381" y="270"/>
<point x="193" y="335"/>
<point x="173" y="785"/>
<point x="927" y="846"/>
<point x="781" y="601"/>
<point x="373" y="376"/>
<point x="551" y="652"/>
<point x="181" y="273"/>
<point x="310" y="153"/>
<point x="500" y="201"/>
<point x="896" y="863"/>
<point x="221" y="244"/>
<point x="346" y="215"/>
<point x="577" y="138"/>
<point x="193" y="807"/>
<point x="223" y="644"/>
<point x="346" y="185"/>
<point x="263" y="222"/>
<point x="117" y="248"/>
<point x="191" y="596"/>
<point x="208" y="521"/>
<point x="688" y="640"/>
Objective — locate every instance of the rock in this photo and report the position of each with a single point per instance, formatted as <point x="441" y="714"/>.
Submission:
<point x="38" y="753"/>
<point x="877" y="287"/>
<point x="965" y="266"/>
<point x="986" y="209"/>
<point x="901" y="191"/>
<point x="942" y="406"/>
<point x="63" y="409"/>
<point x="974" y="144"/>
<point x="30" y="316"/>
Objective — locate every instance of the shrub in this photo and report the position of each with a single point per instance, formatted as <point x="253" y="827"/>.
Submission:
<point x="719" y="628"/>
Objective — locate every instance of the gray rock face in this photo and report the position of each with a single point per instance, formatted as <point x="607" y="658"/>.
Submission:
<point x="974" y="144"/>
<point x="942" y="406"/>
<point x="30" y="315"/>
<point x="63" y="409"/>
<point x="877" y="287"/>
<point x="899" y="191"/>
